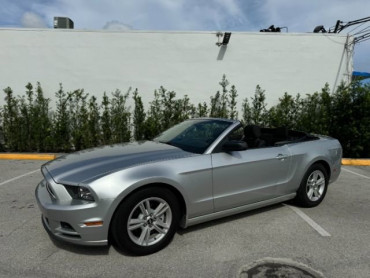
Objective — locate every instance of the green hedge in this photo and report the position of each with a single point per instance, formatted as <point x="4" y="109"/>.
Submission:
<point x="79" y="121"/>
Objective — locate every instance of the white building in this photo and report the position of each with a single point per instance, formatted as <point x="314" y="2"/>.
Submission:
<point x="186" y="62"/>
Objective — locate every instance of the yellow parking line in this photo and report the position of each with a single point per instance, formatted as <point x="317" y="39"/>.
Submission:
<point x="27" y="156"/>
<point x="345" y="161"/>
<point x="356" y="162"/>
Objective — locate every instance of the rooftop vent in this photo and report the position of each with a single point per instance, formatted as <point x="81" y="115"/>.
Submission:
<point x="62" y="23"/>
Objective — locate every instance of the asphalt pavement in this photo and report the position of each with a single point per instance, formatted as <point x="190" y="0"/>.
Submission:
<point x="333" y="238"/>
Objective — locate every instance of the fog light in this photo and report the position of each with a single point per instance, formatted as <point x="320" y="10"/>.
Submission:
<point x="66" y="226"/>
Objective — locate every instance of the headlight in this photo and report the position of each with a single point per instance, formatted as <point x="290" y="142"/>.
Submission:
<point x="80" y="192"/>
<point x="85" y="194"/>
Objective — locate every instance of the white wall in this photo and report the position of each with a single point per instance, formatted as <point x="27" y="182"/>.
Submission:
<point x="186" y="62"/>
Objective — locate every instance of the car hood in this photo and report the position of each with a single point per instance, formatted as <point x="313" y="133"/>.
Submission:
<point x="90" y="164"/>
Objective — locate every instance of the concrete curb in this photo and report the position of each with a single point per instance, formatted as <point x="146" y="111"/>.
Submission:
<point x="24" y="156"/>
<point x="356" y="162"/>
<point x="27" y="156"/>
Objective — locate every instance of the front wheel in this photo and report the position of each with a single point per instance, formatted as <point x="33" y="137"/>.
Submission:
<point x="313" y="187"/>
<point x="146" y="221"/>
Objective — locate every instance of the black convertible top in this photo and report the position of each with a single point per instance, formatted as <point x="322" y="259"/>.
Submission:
<point x="257" y="137"/>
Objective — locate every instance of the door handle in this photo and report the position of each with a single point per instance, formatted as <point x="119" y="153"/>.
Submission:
<point x="281" y="157"/>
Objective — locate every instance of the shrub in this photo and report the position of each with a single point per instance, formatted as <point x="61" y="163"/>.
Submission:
<point x="286" y="112"/>
<point x="61" y="122"/>
<point x="106" y="121"/>
<point x="138" y="117"/>
<point x="350" y="119"/>
<point x="11" y="122"/>
<point x="94" y="128"/>
<point x="256" y="112"/>
<point x="79" y="122"/>
<point x="120" y="117"/>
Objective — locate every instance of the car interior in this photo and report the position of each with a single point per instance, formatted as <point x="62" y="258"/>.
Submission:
<point x="260" y="137"/>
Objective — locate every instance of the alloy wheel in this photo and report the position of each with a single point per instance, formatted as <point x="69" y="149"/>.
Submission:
<point x="149" y="221"/>
<point x="315" y="185"/>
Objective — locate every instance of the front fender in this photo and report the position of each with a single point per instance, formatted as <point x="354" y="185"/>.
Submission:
<point x="121" y="184"/>
<point x="191" y="177"/>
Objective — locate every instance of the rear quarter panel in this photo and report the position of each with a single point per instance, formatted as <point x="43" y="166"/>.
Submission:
<point x="307" y="153"/>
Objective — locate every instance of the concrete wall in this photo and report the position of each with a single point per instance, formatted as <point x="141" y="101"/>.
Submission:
<point x="186" y="62"/>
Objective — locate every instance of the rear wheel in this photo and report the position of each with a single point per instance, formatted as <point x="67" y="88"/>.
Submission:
<point x="146" y="221"/>
<point x="313" y="186"/>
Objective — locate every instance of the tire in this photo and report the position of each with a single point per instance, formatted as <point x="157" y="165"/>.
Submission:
<point x="146" y="221"/>
<point x="313" y="187"/>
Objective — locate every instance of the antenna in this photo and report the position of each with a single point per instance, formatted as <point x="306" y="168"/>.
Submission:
<point x="339" y="26"/>
<point x="360" y="36"/>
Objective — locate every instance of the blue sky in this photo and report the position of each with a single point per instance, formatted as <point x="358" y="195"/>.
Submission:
<point x="203" y="15"/>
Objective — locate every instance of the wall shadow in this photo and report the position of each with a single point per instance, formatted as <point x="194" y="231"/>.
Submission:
<point x="221" y="52"/>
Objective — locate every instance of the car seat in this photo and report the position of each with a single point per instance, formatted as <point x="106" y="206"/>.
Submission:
<point x="252" y="135"/>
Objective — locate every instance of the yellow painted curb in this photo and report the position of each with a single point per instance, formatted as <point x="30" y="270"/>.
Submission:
<point x="27" y="156"/>
<point x="356" y="162"/>
<point x="345" y="161"/>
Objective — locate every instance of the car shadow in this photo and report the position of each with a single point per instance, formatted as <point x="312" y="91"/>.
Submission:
<point x="227" y="219"/>
<point x="86" y="250"/>
<point x="104" y="250"/>
<point x="80" y="249"/>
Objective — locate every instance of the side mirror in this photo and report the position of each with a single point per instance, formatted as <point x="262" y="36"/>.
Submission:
<point x="234" y="145"/>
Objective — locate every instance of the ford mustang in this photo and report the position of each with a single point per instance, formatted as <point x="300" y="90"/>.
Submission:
<point x="136" y="195"/>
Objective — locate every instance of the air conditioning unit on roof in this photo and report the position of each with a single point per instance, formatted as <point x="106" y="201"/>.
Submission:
<point x="62" y="23"/>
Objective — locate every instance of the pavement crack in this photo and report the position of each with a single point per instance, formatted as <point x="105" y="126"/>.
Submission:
<point x="24" y="222"/>
<point x="51" y="254"/>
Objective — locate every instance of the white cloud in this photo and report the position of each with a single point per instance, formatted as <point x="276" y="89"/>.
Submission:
<point x="33" y="20"/>
<point x="117" y="26"/>
<point x="148" y="14"/>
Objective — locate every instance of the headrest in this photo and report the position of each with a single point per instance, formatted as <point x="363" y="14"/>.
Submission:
<point x="254" y="130"/>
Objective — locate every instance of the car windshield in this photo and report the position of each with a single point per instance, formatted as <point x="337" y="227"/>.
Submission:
<point x="193" y="135"/>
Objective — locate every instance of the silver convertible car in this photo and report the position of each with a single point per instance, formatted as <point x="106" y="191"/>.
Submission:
<point x="136" y="195"/>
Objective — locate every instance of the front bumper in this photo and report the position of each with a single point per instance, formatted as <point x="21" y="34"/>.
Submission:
<point x="66" y="220"/>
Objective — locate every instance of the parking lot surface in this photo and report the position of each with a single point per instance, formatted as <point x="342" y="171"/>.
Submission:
<point x="333" y="238"/>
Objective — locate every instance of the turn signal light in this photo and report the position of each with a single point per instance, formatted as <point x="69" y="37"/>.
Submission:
<point x="95" y="223"/>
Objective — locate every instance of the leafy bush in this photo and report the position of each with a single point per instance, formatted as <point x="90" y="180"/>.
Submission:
<point x="286" y="112"/>
<point x="351" y="119"/>
<point x="28" y="124"/>
<point x="61" y="122"/>
<point x="120" y="117"/>
<point x="138" y="117"/>
<point x="256" y="112"/>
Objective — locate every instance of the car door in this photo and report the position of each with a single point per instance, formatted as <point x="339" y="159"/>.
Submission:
<point x="249" y="176"/>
